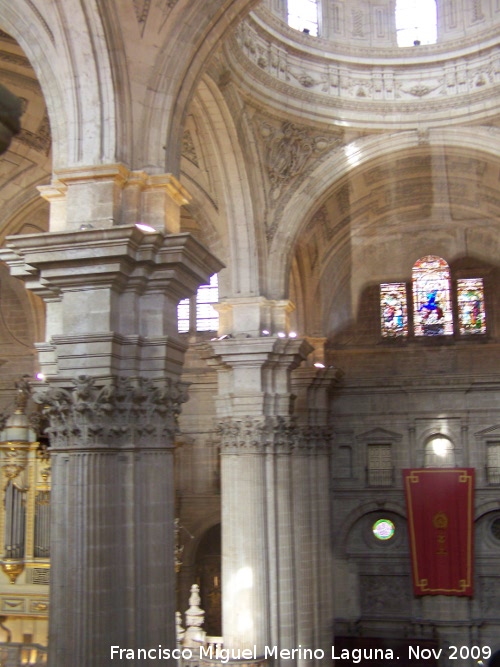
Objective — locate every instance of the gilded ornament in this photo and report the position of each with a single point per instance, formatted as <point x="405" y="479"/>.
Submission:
<point x="12" y="568"/>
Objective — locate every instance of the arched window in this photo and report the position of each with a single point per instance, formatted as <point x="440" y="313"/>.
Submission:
<point x="439" y="453"/>
<point x="432" y="312"/>
<point x="471" y="312"/>
<point x="416" y="22"/>
<point x="393" y="310"/>
<point x="303" y="15"/>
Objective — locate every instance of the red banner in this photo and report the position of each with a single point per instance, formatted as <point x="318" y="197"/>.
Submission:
<point x="440" y="526"/>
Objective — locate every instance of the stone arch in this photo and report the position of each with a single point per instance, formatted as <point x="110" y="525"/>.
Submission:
<point x="82" y="108"/>
<point x="236" y="214"/>
<point x="193" y="32"/>
<point x="314" y="191"/>
<point x="358" y="513"/>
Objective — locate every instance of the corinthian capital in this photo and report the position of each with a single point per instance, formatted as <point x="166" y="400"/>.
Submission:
<point x="125" y="412"/>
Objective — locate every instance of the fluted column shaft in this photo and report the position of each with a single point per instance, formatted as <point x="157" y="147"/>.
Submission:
<point x="271" y="499"/>
<point x="111" y="560"/>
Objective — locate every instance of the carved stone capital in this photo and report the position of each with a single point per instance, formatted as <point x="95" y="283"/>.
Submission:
<point x="126" y="412"/>
<point x="255" y="435"/>
<point x="312" y="439"/>
<point x="271" y="435"/>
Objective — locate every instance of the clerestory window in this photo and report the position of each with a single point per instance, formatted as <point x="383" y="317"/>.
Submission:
<point x="416" y="22"/>
<point x="197" y="313"/>
<point x="303" y="15"/>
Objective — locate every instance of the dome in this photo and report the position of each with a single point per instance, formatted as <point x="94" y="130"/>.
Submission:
<point x="355" y="74"/>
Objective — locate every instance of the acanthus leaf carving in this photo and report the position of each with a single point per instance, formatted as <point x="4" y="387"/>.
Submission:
<point x="127" y="411"/>
<point x="271" y="435"/>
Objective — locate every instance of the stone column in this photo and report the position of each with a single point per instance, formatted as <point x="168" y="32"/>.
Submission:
<point x="112" y="361"/>
<point x="313" y="511"/>
<point x="272" y="484"/>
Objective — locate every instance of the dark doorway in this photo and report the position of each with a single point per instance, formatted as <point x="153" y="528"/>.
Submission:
<point x="208" y="574"/>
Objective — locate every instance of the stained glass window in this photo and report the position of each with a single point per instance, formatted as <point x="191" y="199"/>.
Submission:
<point x="383" y="529"/>
<point x="471" y="313"/>
<point x="431" y="297"/>
<point x="393" y="310"/>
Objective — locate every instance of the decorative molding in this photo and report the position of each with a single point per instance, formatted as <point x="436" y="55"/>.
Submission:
<point x="44" y="23"/>
<point x="14" y="461"/>
<point x="40" y="140"/>
<point x="379" y="435"/>
<point x="137" y="412"/>
<point x="25" y="605"/>
<point x="328" y="80"/>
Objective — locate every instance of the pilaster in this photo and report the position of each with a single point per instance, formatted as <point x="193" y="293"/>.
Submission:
<point x="254" y="316"/>
<point x="104" y="196"/>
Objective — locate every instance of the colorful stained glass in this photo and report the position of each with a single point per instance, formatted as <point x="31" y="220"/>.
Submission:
<point x="471" y="313"/>
<point x="393" y="310"/>
<point x="383" y="529"/>
<point x="432" y="312"/>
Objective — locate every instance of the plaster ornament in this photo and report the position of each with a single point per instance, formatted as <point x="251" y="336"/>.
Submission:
<point x="188" y="148"/>
<point x="141" y="8"/>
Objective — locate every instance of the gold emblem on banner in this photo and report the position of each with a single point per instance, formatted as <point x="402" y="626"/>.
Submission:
<point x="440" y="521"/>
